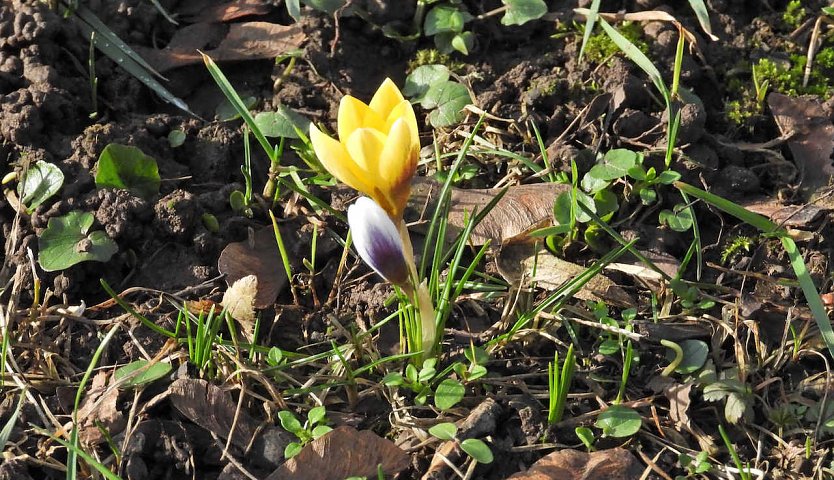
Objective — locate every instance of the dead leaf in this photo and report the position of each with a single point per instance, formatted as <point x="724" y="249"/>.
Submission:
<point x="515" y="262"/>
<point x="239" y="301"/>
<point x="613" y="464"/>
<point x="675" y="332"/>
<point x="812" y="139"/>
<point x="784" y="215"/>
<point x="213" y="12"/>
<point x="235" y="42"/>
<point x="342" y="453"/>
<point x="678" y="395"/>
<point x="522" y="209"/>
<point x="99" y="407"/>
<point x="259" y="258"/>
<point x="213" y="409"/>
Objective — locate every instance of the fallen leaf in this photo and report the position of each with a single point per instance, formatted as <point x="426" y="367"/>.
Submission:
<point x="214" y="410"/>
<point x="99" y="408"/>
<point x="522" y="209"/>
<point x="259" y="258"/>
<point x="811" y="141"/>
<point x="239" y="301"/>
<point x="675" y="332"/>
<point x="613" y="464"/>
<point x="212" y="12"/>
<point x="515" y="263"/>
<point x="235" y="42"/>
<point x="784" y="215"/>
<point x="342" y="453"/>
<point x="678" y="395"/>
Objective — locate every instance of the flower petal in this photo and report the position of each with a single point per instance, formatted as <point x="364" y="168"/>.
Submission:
<point x="397" y="163"/>
<point x="405" y="111"/>
<point x="365" y="146"/>
<point x="334" y="157"/>
<point x="387" y="97"/>
<point x="377" y="241"/>
<point x="353" y="114"/>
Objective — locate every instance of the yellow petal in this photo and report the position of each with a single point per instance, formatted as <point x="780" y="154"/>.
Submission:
<point x="334" y="157"/>
<point x="386" y="98"/>
<point x="353" y="114"/>
<point x="365" y="147"/>
<point x="397" y="163"/>
<point x="405" y="111"/>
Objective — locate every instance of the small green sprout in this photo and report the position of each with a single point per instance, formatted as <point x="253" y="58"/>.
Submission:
<point x="447" y="393"/>
<point x="694" y="466"/>
<point x="314" y="427"/>
<point x="475" y="448"/>
<point x="559" y="381"/>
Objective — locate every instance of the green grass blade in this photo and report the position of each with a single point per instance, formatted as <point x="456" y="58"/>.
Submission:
<point x="240" y="107"/>
<point x="109" y="37"/>
<point x="590" y="20"/>
<point x="812" y="296"/>
<point x="6" y="432"/>
<point x="809" y="290"/>
<point x="734" y="209"/>
<point x="112" y="46"/>
<point x="73" y="450"/>
<point x="104" y="471"/>
<point x="638" y="57"/>
<point x="703" y="17"/>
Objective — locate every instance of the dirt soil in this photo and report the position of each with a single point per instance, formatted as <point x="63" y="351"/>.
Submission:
<point x="523" y="74"/>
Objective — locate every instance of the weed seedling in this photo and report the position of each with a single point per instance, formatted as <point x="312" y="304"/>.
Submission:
<point x="314" y="427"/>
<point x="559" y="381"/>
<point x="477" y="449"/>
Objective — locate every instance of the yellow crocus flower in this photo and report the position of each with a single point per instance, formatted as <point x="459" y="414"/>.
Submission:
<point x="378" y="147"/>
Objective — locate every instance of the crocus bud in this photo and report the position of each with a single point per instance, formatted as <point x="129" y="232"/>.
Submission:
<point x="378" y="241"/>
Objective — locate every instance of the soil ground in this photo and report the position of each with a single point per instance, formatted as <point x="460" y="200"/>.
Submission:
<point x="527" y="75"/>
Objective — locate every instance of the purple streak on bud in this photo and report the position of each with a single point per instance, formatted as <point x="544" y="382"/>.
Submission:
<point x="377" y="240"/>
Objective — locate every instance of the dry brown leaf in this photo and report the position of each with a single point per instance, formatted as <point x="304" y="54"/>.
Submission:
<point x="515" y="262"/>
<point x="678" y="395"/>
<point x="259" y="258"/>
<point x="235" y="42"/>
<point x="213" y="12"/>
<point x="784" y="215"/>
<point x="811" y="141"/>
<point x="522" y="209"/>
<point x="99" y="408"/>
<point x="613" y="464"/>
<point x="239" y="301"/>
<point x="343" y="453"/>
<point x="213" y="409"/>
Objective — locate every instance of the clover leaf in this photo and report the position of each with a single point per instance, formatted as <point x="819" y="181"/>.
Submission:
<point x="448" y="98"/>
<point x="121" y="166"/>
<point x="68" y="241"/>
<point x="418" y="82"/>
<point x="283" y="122"/>
<point x="619" y="421"/>
<point x="520" y="12"/>
<point x="40" y="182"/>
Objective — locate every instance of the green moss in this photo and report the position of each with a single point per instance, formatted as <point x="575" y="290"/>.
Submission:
<point x="794" y="14"/>
<point x="738" y="245"/>
<point x="431" y="56"/>
<point x="600" y="47"/>
<point x="787" y="78"/>
<point x="783" y="77"/>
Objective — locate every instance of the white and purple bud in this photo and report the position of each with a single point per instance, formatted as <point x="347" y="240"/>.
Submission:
<point x="378" y="241"/>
